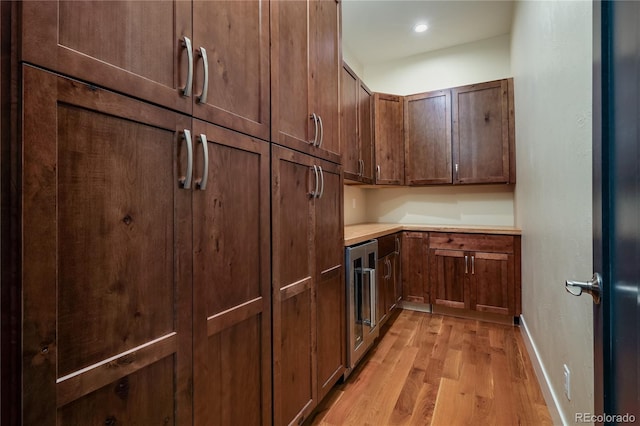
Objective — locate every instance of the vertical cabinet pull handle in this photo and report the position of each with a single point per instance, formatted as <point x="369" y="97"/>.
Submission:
<point x="397" y="246"/>
<point x="360" y="167"/>
<point x="202" y="183"/>
<point x="202" y="99"/>
<point x="321" y="131"/>
<point x="378" y="172"/>
<point x="314" y="193"/>
<point x="457" y="167"/>
<point x="466" y="268"/>
<point x="321" y="182"/>
<point x="314" y="117"/>
<point x="473" y="265"/>
<point x="185" y="181"/>
<point x="186" y="42"/>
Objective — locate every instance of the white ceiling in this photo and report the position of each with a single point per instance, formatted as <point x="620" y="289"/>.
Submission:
<point x="377" y="31"/>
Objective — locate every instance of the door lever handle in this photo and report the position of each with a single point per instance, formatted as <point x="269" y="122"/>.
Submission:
<point x="593" y="287"/>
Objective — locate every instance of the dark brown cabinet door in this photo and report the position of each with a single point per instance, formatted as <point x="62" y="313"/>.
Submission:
<point x="396" y="263"/>
<point x="234" y="38"/>
<point x="481" y="134"/>
<point x="389" y="150"/>
<point x="294" y="181"/>
<point x="331" y="291"/>
<point x="304" y="104"/>
<point x="325" y="74"/>
<point x="450" y="286"/>
<point x="107" y="253"/>
<point x="231" y="270"/>
<point x="349" y="130"/>
<point x="131" y="47"/>
<point x="365" y="132"/>
<point x="414" y="265"/>
<point x="493" y="276"/>
<point x="427" y="138"/>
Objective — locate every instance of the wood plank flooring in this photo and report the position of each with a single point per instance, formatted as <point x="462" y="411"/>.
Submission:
<point x="440" y="370"/>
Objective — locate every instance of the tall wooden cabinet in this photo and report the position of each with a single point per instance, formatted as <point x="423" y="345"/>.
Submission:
<point x="107" y="241"/>
<point x="305" y="70"/>
<point x="231" y="278"/>
<point x="308" y="282"/>
<point x="209" y="59"/>
<point x="388" y="139"/>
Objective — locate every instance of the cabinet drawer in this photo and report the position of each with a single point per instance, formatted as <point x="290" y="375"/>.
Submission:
<point x="386" y="245"/>
<point x="471" y="242"/>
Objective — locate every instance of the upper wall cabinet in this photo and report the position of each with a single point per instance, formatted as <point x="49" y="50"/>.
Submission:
<point x="427" y="138"/>
<point x="483" y="133"/>
<point x="464" y="135"/>
<point x="356" y="127"/>
<point x="305" y="69"/>
<point x="388" y="140"/>
<point x="177" y="54"/>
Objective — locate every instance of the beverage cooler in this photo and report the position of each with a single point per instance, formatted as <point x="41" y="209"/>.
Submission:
<point x="362" y="300"/>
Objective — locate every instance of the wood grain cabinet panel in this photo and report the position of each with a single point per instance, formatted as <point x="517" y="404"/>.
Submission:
<point x="356" y="127"/>
<point x="414" y="265"/>
<point x="235" y="39"/>
<point x="165" y="52"/>
<point x="107" y="240"/>
<point x="427" y="138"/>
<point x="330" y="288"/>
<point x="231" y="276"/>
<point x="482" y="140"/>
<point x="308" y="282"/>
<point x="388" y="139"/>
<point x="349" y="128"/>
<point x="476" y="271"/>
<point x="365" y="132"/>
<point x="305" y="71"/>
<point x="388" y="276"/>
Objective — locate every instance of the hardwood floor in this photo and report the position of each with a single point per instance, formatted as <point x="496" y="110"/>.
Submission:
<point x="440" y="370"/>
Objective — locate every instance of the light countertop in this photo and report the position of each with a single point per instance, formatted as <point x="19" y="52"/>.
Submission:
<point x="354" y="234"/>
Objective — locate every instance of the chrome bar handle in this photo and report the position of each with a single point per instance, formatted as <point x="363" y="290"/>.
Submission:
<point x="592" y="287"/>
<point x="466" y="268"/>
<point x="186" y="42"/>
<point x="314" y="117"/>
<point x="321" y="131"/>
<point x="473" y="265"/>
<point x="388" y="263"/>
<point x="201" y="184"/>
<point x="314" y="194"/>
<point x="373" y="299"/>
<point x="457" y="167"/>
<point x="360" y="167"/>
<point x="185" y="181"/>
<point x="321" y="182"/>
<point x="397" y="245"/>
<point x="378" y="172"/>
<point x="202" y="99"/>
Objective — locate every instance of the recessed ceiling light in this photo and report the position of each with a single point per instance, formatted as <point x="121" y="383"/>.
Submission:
<point x="420" y="28"/>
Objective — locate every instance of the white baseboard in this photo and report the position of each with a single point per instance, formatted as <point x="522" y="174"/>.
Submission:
<point x="550" y="396"/>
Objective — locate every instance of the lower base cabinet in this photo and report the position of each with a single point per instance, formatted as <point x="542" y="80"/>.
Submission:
<point x="415" y="277"/>
<point x="388" y="276"/>
<point x="475" y="271"/>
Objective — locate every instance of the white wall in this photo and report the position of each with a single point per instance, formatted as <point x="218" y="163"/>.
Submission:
<point x="484" y="60"/>
<point x="469" y="63"/>
<point x="446" y="205"/>
<point x="551" y="54"/>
